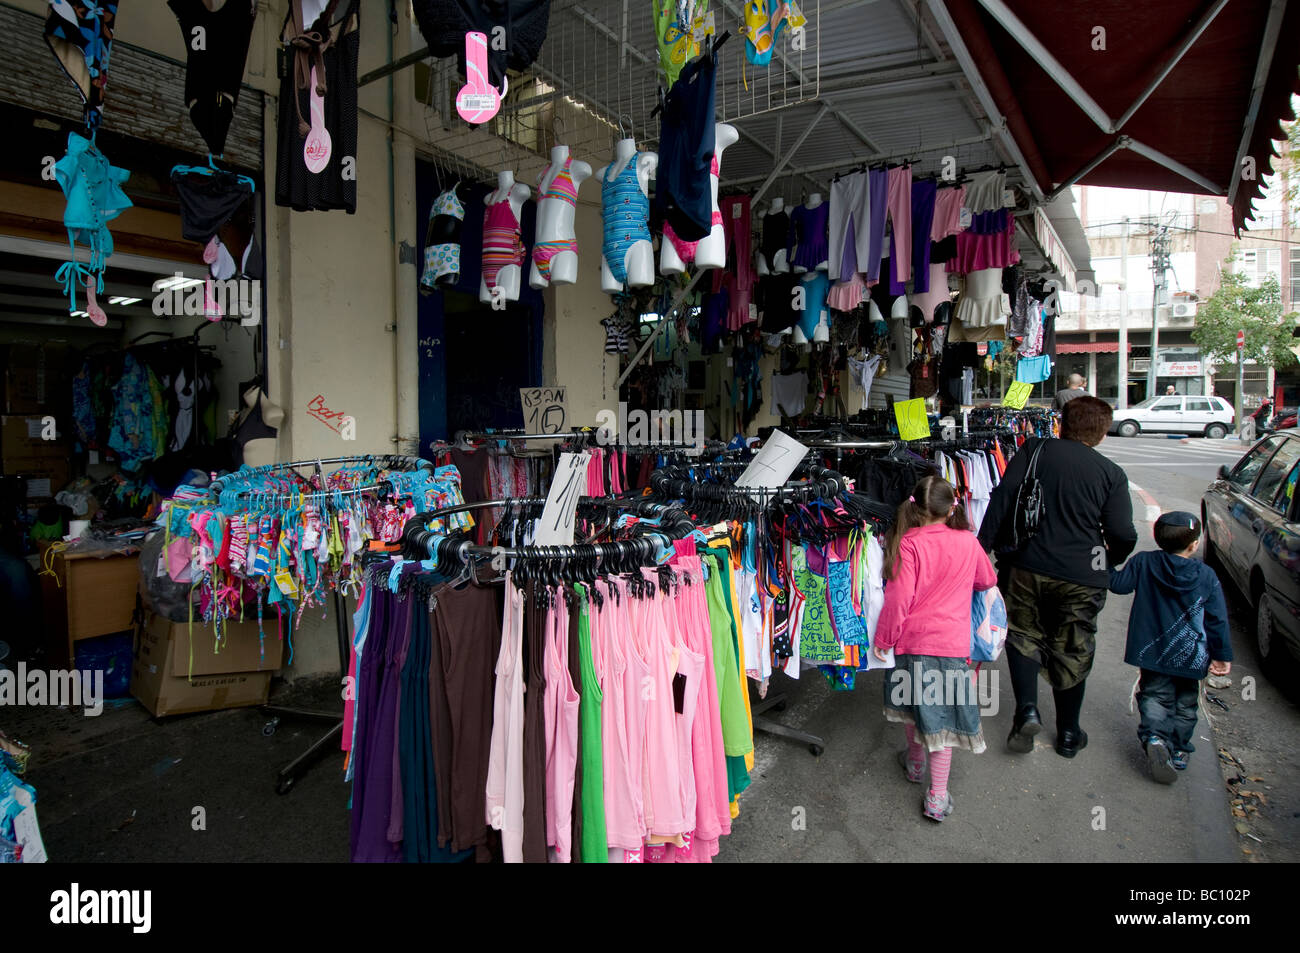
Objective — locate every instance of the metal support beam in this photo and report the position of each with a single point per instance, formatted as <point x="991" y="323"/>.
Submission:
<point x="699" y="274"/>
<point x="1120" y="142"/>
<point x="1272" y="27"/>
<point x="409" y="59"/>
<point x="1043" y="56"/>
<point x="959" y="49"/>
<point x="1155" y="155"/>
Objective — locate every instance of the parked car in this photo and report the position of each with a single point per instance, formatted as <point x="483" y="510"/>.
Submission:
<point x="1211" y="416"/>
<point x="1251" y="516"/>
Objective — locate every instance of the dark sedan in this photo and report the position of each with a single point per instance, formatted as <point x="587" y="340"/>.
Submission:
<point x="1252" y="523"/>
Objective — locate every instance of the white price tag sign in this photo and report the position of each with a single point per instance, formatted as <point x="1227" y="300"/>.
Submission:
<point x="780" y="456"/>
<point x="555" y="528"/>
<point x="26" y="831"/>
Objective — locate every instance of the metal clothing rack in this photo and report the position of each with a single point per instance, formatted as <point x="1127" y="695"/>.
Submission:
<point x="292" y="772"/>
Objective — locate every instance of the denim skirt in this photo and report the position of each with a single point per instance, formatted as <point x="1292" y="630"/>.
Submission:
<point x="938" y="697"/>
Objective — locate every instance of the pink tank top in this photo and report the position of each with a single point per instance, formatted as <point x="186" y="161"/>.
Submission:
<point x="664" y="809"/>
<point x="560" y="716"/>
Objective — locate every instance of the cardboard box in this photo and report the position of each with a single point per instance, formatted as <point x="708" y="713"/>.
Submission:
<point x="240" y="651"/>
<point x="45" y="476"/>
<point x="35" y="379"/>
<point x="165" y="694"/>
<point x="21" y="435"/>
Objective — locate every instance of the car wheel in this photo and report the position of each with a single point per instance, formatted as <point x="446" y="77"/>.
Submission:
<point x="1216" y="431"/>
<point x="1129" y="428"/>
<point x="1274" y="659"/>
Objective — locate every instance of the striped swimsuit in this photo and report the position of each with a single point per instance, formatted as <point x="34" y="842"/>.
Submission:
<point x="561" y="188"/>
<point x="502" y="243"/>
<point x="627" y="216"/>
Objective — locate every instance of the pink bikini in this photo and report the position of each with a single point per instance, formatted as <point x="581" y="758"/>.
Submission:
<point x="686" y="250"/>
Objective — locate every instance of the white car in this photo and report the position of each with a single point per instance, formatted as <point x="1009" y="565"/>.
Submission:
<point x="1211" y="416"/>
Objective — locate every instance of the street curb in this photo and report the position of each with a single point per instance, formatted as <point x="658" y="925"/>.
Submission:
<point x="1149" y="501"/>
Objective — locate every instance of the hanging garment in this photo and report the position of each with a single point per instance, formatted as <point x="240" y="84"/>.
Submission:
<point x="899" y="204"/>
<point x="208" y="199"/>
<point x="674" y="21"/>
<point x="214" y="68"/>
<point x="522" y="24"/>
<point x="93" y="189"/>
<point x="327" y="49"/>
<point x="503" y="242"/>
<point x="561" y="189"/>
<point x="80" y="35"/>
<point x="808" y="245"/>
<point x="776" y="233"/>
<point x="683" y="192"/>
<point x="626" y="215"/>
<point x="505" y="778"/>
<point x="863" y="374"/>
<point x="923" y="206"/>
<point x="1033" y="370"/>
<point x="850" y="225"/>
<point x="947" y="213"/>
<point x="442" y="242"/>
<point x="737" y="276"/>
<point x="816" y="286"/>
<point x="985" y="193"/>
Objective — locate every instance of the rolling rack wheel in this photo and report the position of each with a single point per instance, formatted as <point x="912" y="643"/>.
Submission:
<point x="268" y="729"/>
<point x="816" y="750"/>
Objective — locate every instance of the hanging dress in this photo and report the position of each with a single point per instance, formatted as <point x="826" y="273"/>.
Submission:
<point x="214" y="67"/>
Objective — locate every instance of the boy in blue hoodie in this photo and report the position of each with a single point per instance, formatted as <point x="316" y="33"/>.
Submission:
<point x="1177" y="632"/>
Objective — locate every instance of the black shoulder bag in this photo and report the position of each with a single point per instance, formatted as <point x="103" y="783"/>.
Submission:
<point x="1027" y="516"/>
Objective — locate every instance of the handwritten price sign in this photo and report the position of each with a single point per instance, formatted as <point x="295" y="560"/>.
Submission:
<point x="545" y="410"/>
<point x="1017" y="394"/>
<point x="913" y="422"/>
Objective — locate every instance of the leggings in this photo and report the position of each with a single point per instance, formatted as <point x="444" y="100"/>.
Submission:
<point x="878" y="186"/>
<point x="923" y="200"/>
<point x="738" y="281"/>
<point x="850" y="226"/>
<point x="899" y="204"/>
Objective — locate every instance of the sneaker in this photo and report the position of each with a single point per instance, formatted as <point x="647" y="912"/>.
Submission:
<point x="1160" y="762"/>
<point x="914" y="774"/>
<point x="937" y="809"/>
<point x="1179" y="760"/>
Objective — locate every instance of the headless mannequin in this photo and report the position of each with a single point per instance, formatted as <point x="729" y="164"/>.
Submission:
<point x="711" y="252"/>
<point x="510" y="277"/>
<point x="779" y="264"/>
<point x="261" y="451"/>
<point x="555" y="220"/>
<point x="639" y="259"/>
<point x="814" y="200"/>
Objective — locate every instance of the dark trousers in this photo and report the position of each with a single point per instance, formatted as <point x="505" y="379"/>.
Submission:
<point x="1053" y="622"/>
<point x="1167" y="706"/>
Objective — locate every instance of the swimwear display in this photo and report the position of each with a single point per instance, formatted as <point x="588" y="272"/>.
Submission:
<point x="808" y="246"/>
<point x="626" y="212"/>
<point x="737" y="274"/>
<point x="93" y="189"/>
<point x="676" y="42"/>
<point x="816" y="286"/>
<point x="776" y="232"/>
<point x="503" y="242"/>
<point x="561" y="189"/>
<point x="683" y="192"/>
<point x="214" y="71"/>
<point x="686" y="250"/>
<point x="442" y="242"/>
<point x="208" y="198"/>
<point x="81" y="37"/>
<point x="329" y="48"/>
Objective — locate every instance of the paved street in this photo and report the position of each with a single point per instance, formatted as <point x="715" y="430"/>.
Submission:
<point x="1100" y="807"/>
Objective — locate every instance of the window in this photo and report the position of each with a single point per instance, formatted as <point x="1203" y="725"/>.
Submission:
<point x="1243" y="475"/>
<point x="1276" y="469"/>
<point x="1199" y="404"/>
<point x="1220" y="404"/>
<point x="1286" y="492"/>
<point x="1170" y="403"/>
<point x="1295" y="277"/>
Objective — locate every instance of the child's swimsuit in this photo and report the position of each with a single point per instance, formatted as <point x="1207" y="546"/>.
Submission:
<point x="561" y="188"/>
<point x="502" y="242"/>
<point x="442" y="241"/>
<point x="627" y="214"/>
<point x="686" y="250"/>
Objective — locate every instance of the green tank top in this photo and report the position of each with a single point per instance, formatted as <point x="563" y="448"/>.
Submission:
<point x="595" y="846"/>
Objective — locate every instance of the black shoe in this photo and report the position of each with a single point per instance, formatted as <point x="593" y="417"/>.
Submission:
<point x="1161" y="762"/>
<point x="1023" y="728"/>
<point x="1071" y="742"/>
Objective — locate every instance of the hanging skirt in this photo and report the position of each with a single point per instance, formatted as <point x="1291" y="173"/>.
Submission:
<point x="938" y="696"/>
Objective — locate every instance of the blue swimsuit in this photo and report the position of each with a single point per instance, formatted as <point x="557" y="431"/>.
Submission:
<point x="626" y="214"/>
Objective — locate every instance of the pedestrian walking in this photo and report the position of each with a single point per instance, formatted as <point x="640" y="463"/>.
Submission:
<point x="1055" y="577"/>
<point x="934" y="564"/>
<point x="1177" y="634"/>
<point x="1076" y="386"/>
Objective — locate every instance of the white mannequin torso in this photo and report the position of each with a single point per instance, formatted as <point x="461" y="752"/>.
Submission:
<point x="510" y="277"/>
<point x="638" y="260"/>
<point x="555" y="220"/>
<point x="711" y="252"/>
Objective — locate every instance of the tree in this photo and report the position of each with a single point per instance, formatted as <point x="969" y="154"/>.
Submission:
<point x="1238" y="306"/>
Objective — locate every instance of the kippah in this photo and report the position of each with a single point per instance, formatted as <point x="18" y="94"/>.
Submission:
<point x="1178" y="518"/>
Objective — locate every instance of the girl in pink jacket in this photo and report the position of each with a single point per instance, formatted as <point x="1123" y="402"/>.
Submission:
<point x="933" y="566"/>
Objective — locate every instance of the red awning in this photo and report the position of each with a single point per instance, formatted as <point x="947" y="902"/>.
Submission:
<point x="1089" y="347"/>
<point x="1217" y="76"/>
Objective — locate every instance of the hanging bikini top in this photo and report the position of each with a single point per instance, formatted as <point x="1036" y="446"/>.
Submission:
<point x="93" y="189"/>
<point x="562" y="186"/>
<point x="448" y="203"/>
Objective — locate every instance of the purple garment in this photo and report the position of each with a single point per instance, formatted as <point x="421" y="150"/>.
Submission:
<point x="878" y="183"/>
<point x="393" y="679"/>
<point x="849" y="259"/>
<point x="372" y="773"/>
<point x="809" y="235"/>
<point x="993" y="222"/>
<point x="924" y="192"/>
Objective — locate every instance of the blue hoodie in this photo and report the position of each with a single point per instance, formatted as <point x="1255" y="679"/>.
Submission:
<point x="1178" y="621"/>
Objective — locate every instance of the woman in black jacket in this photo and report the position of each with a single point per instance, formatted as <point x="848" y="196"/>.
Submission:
<point x="1055" y="584"/>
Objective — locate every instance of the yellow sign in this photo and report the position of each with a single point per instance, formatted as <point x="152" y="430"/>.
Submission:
<point x="1017" y="394"/>
<point x="913" y="422"/>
